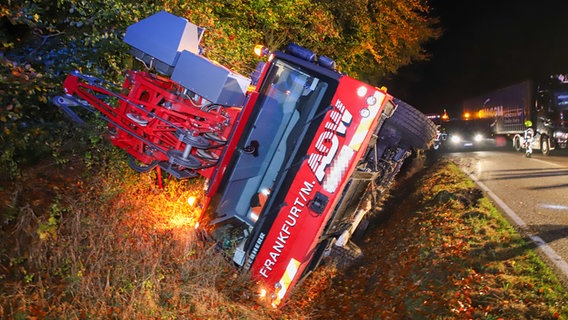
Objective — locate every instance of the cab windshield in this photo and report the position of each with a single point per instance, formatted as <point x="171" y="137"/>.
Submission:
<point x="562" y="100"/>
<point x="289" y="99"/>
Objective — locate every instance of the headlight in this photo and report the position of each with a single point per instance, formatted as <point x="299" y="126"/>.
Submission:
<point x="455" y="139"/>
<point x="478" y="137"/>
<point x="262" y="293"/>
<point x="371" y="100"/>
<point x="365" y="112"/>
<point x="362" y="91"/>
<point x="268" y="297"/>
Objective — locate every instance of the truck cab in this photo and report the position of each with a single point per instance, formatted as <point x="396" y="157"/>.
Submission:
<point x="309" y="158"/>
<point x="551" y="112"/>
<point x="305" y="135"/>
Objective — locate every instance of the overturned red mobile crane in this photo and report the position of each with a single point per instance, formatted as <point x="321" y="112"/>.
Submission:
<point x="296" y="156"/>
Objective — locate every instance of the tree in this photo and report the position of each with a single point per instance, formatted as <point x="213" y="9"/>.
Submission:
<point x="380" y="36"/>
<point x="234" y="27"/>
<point x="42" y="40"/>
<point x="369" y="39"/>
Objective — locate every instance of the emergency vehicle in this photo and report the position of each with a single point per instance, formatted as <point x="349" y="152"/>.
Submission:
<point x="295" y="157"/>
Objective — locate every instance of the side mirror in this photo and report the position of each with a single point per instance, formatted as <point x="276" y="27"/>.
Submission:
<point x="540" y="102"/>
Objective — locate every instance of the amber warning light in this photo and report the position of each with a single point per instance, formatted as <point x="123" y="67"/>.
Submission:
<point x="261" y="50"/>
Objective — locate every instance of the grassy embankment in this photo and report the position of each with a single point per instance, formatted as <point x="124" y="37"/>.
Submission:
<point x="114" y="245"/>
<point x="445" y="253"/>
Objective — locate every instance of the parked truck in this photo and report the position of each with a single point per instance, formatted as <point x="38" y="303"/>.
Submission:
<point x="295" y="157"/>
<point x="542" y="105"/>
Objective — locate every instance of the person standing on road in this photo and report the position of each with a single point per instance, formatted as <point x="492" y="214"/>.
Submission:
<point x="529" y="134"/>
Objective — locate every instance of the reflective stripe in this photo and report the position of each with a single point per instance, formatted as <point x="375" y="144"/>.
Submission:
<point x="287" y="278"/>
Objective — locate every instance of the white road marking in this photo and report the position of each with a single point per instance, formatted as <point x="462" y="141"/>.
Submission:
<point x="538" y="241"/>
<point x="549" y="163"/>
<point x="553" y="206"/>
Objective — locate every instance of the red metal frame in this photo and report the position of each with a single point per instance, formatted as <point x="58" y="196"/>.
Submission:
<point x="155" y="115"/>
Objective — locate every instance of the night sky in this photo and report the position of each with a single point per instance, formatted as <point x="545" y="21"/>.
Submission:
<point x="486" y="45"/>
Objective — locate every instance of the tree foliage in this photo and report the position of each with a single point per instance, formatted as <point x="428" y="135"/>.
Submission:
<point x="369" y="39"/>
<point x="234" y="27"/>
<point x="42" y="40"/>
<point x="379" y="37"/>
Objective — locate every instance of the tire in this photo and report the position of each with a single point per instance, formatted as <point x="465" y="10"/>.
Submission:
<point x="361" y="229"/>
<point x="318" y="258"/>
<point x="344" y="257"/>
<point x="517" y="143"/>
<point x="545" y="146"/>
<point x="417" y="131"/>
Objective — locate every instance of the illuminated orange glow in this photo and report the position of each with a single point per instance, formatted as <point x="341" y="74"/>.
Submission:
<point x="171" y="210"/>
<point x="466" y="115"/>
<point x="262" y="197"/>
<point x="179" y="220"/>
<point x="260" y="50"/>
<point x="262" y="293"/>
<point x="445" y="115"/>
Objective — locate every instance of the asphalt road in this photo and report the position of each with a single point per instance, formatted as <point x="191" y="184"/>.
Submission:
<point x="532" y="192"/>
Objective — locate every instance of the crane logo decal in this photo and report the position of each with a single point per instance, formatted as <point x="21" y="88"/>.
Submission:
<point x="327" y="143"/>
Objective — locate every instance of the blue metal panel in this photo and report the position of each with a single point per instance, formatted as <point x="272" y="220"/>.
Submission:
<point x="211" y="81"/>
<point x="159" y="39"/>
